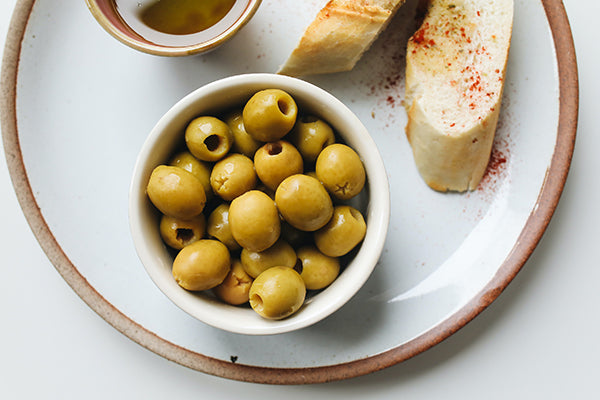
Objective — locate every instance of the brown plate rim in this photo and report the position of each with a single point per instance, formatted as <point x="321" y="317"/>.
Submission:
<point x="531" y="234"/>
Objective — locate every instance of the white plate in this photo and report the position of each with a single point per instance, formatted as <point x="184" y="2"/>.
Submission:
<point x="77" y="106"/>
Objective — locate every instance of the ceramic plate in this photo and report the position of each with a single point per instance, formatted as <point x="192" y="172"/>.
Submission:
<point x="77" y="106"/>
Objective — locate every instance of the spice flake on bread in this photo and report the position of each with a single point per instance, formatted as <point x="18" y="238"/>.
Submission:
<point x="455" y="72"/>
<point x="337" y="38"/>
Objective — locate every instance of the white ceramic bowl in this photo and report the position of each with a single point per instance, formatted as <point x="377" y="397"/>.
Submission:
<point x="210" y="100"/>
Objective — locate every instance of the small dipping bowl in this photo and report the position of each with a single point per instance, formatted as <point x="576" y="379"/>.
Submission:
<point x="214" y="99"/>
<point x="123" y="20"/>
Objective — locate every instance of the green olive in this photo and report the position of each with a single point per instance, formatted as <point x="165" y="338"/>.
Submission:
<point x="318" y="270"/>
<point x="254" y="220"/>
<point x="343" y="232"/>
<point x="178" y="233"/>
<point x="275" y="161"/>
<point x="218" y="227"/>
<point x="232" y="176"/>
<point x="277" y="293"/>
<point x="202" y="265"/>
<point x="199" y="169"/>
<point x="235" y="289"/>
<point x="208" y="138"/>
<point x="280" y="254"/>
<point x="269" y="115"/>
<point x="242" y="142"/>
<point x="303" y="202"/>
<point x="311" y="135"/>
<point x="176" y="192"/>
<point x="340" y="169"/>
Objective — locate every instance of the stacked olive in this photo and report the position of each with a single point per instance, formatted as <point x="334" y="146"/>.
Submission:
<point x="254" y="205"/>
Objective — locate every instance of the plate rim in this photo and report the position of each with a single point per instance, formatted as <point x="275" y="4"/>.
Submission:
<point x="535" y="226"/>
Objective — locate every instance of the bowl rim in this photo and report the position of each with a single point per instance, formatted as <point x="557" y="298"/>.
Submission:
<point x="357" y="271"/>
<point x="173" y="51"/>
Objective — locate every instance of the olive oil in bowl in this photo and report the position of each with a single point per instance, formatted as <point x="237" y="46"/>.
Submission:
<point x="179" y="22"/>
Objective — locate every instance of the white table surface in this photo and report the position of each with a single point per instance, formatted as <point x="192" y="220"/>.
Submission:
<point x="538" y="340"/>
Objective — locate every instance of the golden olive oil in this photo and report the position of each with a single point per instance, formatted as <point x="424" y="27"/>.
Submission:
<point x="174" y="22"/>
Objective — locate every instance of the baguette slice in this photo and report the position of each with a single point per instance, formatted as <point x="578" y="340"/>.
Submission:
<point x="456" y="65"/>
<point x="337" y="38"/>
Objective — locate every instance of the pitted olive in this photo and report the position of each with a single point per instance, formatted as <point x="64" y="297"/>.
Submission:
<point x="208" y="138"/>
<point x="199" y="169"/>
<point x="232" y="176"/>
<point x="341" y="171"/>
<point x="311" y="135"/>
<point x="178" y="233"/>
<point x="280" y="254"/>
<point x="235" y="289"/>
<point x="218" y="227"/>
<point x="243" y="143"/>
<point x="343" y="232"/>
<point x="318" y="270"/>
<point x="303" y="202"/>
<point x="275" y="161"/>
<point x="269" y="115"/>
<point x="176" y="192"/>
<point x="277" y="293"/>
<point x="254" y="221"/>
<point x="202" y="265"/>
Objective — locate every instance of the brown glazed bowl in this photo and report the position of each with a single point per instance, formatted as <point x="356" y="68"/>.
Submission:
<point x="107" y="14"/>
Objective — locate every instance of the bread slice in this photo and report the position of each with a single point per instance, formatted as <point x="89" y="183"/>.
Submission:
<point x="337" y="38"/>
<point x="455" y="72"/>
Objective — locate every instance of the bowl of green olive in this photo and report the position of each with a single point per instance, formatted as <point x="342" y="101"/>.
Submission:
<point x="259" y="204"/>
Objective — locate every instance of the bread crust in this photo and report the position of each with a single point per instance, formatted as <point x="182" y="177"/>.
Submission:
<point x="339" y="35"/>
<point x="455" y="72"/>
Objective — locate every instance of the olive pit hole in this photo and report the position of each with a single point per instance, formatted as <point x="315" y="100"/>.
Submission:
<point x="274" y="148"/>
<point x="284" y="106"/>
<point x="257" y="301"/>
<point x="184" y="235"/>
<point x="212" y="142"/>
